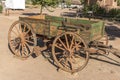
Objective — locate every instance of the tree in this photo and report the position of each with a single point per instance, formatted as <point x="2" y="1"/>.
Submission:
<point x="118" y="1"/>
<point x="45" y="4"/>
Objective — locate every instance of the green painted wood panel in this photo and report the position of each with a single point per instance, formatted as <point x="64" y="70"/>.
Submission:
<point x="50" y="27"/>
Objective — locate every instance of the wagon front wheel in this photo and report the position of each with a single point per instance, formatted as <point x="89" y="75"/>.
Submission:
<point x="21" y="39"/>
<point x="69" y="52"/>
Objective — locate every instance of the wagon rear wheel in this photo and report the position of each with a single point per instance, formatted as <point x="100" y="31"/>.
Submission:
<point x="69" y="52"/>
<point x="21" y="39"/>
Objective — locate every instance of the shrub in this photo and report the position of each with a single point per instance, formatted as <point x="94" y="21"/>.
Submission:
<point x="101" y="12"/>
<point x="28" y="2"/>
<point x="118" y="2"/>
<point x="113" y="12"/>
<point x="85" y="9"/>
<point x="1" y="8"/>
<point x="97" y="10"/>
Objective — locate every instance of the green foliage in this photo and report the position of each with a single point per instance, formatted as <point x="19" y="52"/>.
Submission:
<point x="97" y="10"/>
<point x="28" y="1"/>
<point x="118" y="16"/>
<point x="118" y="2"/>
<point x="1" y="8"/>
<point x="102" y="12"/>
<point x="86" y="9"/>
<point x="114" y="13"/>
<point x="68" y="2"/>
<point x="45" y="3"/>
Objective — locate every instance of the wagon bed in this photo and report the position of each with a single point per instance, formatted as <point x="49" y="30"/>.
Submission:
<point x="54" y="25"/>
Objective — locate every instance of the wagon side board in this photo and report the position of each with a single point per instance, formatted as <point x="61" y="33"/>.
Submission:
<point x="40" y="26"/>
<point x="51" y="26"/>
<point x="97" y="31"/>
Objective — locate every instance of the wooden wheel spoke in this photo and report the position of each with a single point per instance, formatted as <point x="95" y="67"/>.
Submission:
<point x="17" y="30"/>
<point x="62" y="43"/>
<point x="66" y="38"/>
<point x="64" y="53"/>
<point x="28" y="31"/>
<point x="12" y="42"/>
<point x="57" y="53"/>
<point x="66" y="64"/>
<point x="29" y="36"/>
<point x="60" y="47"/>
<point x="22" y="50"/>
<point x="24" y="27"/>
<point x="73" y="48"/>
<point x="18" y="50"/>
<point x="72" y="42"/>
<point x="70" y="63"/>
<point x="31" y="42"/>
<point x="14" y="32"/>
<point x="76" y="46"/>
<point x="61" y="59"/>
<point x="25" y="49"/>
<point x="20" y="27"/>
<point x="27" y="45"/>
<point x="76" y="56"/>
<point x="77" y="43"/>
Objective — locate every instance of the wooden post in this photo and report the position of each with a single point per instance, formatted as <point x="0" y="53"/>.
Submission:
<point x="6" y="11"/>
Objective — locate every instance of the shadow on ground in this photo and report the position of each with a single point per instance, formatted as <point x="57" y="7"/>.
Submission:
<point x="112" y="31"/>
<point x="68" y="14"/>
<point x="45" y="50"/>
<point x="107" y="59"/>
<point x="32" y="14"/>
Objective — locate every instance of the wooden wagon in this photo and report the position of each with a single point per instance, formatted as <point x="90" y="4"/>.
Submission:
<point x="70" y="39"/>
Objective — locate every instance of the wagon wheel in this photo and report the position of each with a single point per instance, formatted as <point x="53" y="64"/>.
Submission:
<point x="69" y="52"/>
<point x="21" y="39"/>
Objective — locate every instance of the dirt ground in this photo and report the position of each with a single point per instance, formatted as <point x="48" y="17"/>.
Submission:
<point x="39" y="68"/>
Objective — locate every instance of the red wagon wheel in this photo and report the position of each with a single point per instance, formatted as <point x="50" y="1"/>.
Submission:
<point x="69" y="52"/>
<point x="21" y="39"/>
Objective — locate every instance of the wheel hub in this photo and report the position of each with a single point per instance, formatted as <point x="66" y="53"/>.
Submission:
<point x="18" y="40"/>
<point x="69" y="53"/>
